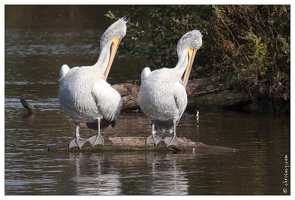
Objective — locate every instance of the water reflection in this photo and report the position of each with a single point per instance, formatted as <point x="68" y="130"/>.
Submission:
<point x="167" y="176"/>
<point x="147" y="173"/>
<point x="92" y="177"/>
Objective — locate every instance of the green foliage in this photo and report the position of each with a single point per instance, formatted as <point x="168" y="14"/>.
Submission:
<point x="155" y="31"/>
<point x="261" y="53"/>
<point x="250" y="42"/>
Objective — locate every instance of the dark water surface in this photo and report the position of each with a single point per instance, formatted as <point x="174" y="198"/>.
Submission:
<point x="38" y="41"/>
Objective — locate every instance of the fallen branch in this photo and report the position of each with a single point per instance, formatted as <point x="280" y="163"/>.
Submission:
<point x="25" y="104"/>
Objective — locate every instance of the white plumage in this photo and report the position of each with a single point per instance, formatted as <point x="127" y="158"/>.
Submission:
<point x="63" y="71"/>
<point x="85" y="96"/>
<point x="162" y="95"/>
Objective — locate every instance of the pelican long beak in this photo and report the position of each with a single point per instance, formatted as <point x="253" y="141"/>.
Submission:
<point x="191" y="57"/>
<point x="114" y="48"/>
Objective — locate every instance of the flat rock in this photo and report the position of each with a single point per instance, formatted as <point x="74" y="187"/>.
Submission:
<point x="139" y="144"/>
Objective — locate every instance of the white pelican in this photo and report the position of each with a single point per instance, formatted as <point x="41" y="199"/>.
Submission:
<point x="162" y="95"/>
<point x="85" y="96"/>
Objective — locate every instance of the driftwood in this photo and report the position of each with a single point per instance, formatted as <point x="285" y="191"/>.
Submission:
<point x="195" y="87"/>
<point x="139" y="144"/>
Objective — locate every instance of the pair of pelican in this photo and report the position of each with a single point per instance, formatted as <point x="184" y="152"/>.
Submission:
<point x="86" y="97"/>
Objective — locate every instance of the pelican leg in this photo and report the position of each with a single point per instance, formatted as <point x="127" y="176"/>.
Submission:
<point x="153" y="138"/>
<point x="97" y="139"/>
<point x="172" y="140"/>
<point x="78" y="141"/>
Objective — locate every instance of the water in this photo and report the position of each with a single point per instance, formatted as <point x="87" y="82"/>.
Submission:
<point x="38" y="41"/>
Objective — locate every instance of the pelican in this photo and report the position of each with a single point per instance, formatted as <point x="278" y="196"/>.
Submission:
<point x="162" y="95"/>
<point x="84" y="94"/>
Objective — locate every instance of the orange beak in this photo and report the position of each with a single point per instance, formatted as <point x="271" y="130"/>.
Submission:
<point x="191" y="57"/>
<point x="114" y="48"/>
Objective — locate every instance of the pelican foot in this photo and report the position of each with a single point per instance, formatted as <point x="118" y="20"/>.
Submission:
<point x="153" y="139"/>
<point x="78" y="142"/>
<point x="95" y="140"/>
<point x="171" y="141"/>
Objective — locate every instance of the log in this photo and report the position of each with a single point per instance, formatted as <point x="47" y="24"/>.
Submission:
<point x="129" y="94"/>
<point x="202" y="86"/>
<point x="194" y="88"/>
<point x="139" y="144"/>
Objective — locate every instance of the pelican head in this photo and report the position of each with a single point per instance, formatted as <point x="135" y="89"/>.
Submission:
<point x="190" y="43"/>
<point x="112" y="37"/>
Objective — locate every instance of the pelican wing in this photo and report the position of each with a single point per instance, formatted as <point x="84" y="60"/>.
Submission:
<point x="107" y="99"/>
<point x="145" y="73"/>
<point x="63" y="71"/>
<point x="180" y="97"/>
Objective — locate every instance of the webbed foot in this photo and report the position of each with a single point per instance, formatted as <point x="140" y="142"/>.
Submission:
<point x="171" y="141"/>
<point x="78" y="142"/>
<point x="95" y="140"/>
<point x="153" y="139"/>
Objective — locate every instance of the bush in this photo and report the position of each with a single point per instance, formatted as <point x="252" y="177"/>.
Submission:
<point x="249" y="42"/>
